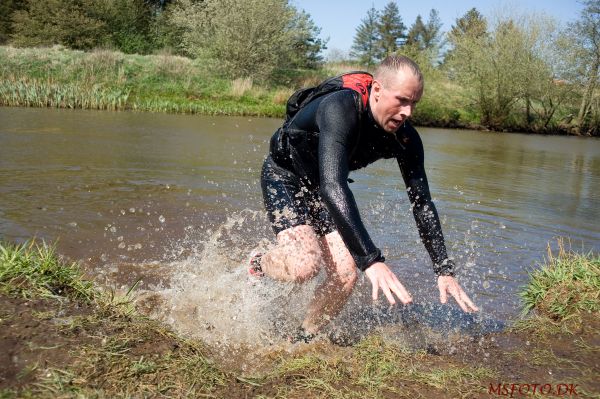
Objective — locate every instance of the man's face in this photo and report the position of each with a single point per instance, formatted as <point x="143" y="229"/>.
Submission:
<point x="393" y="102"/>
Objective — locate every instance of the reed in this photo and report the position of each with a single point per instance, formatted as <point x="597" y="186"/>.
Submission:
<point x="31" y="92"/>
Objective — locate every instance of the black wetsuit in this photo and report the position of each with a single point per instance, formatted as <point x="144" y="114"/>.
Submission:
<point x="305" y="176"/>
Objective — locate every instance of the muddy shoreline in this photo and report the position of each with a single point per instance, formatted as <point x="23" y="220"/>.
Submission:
<point x="46" y="344"/>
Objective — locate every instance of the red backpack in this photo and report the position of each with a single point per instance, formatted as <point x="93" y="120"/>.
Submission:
<point x="357" y="81"/>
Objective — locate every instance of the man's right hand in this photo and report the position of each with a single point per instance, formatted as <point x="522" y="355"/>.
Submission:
<point x="382" y="278"/>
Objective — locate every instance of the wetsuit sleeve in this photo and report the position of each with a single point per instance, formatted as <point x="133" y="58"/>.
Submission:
<point x="338" y="122"/>
<point x="428" y="223"/>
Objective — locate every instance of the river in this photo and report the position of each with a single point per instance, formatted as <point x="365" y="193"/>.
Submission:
<point x="174" y="200"/>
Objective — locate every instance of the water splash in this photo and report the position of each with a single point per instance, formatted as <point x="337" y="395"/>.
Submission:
<point x="210" y="296"/>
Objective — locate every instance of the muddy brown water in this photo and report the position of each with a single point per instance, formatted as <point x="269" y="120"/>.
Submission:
<point x="174" y="200"/>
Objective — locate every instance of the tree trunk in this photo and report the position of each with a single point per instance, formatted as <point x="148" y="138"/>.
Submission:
<point x="587" y="96"/>
<point x="527" y="111"/>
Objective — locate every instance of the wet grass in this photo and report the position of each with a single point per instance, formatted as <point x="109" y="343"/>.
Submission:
<point x="373" y="369"/>
<point x="563" y="289"/>
<point x="95" y="344"/>
<point x="34" y="270"/>
<point x="560" y="322"/>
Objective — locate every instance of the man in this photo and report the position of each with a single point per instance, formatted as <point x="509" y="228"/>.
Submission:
<point x="312" y="210"/>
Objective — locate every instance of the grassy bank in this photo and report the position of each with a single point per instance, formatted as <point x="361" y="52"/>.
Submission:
<point x="62" y="337"/>
<point x="58" y="77"/>
<point x="563" y="293"/>
<point x="109" y="80"/>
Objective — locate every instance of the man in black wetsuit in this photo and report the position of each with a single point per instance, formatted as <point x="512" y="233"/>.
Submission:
<point x="312" y="210"/>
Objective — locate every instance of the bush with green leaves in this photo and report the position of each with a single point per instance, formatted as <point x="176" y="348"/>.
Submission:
<point x="73" y="23"/>
<point x="246" y="38"/>
<point x="127" y="25"/>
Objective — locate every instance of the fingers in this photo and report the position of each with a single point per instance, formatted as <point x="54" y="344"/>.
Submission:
<point x="458" y="293"/>
<point x="462" y="299"/>
<point x="375" y="291"/>
<point x="388" y="294"/>
<point x="459" y="300"/>
<point x="401" y="292"/>
<point x="469" y="303"/>
<point x="443" y="295"/>
<point x="382" y="278"/>
<point x="465" y="302"/>
<point x="389" y="283"/>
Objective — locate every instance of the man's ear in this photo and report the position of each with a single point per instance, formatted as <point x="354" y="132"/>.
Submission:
<point x="376" y="89"/>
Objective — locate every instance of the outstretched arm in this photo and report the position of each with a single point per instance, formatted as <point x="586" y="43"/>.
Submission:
<point x="338" y="124"/>
<point x="428" y="222"/>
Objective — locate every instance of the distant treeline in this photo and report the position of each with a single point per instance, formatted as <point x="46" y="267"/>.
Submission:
<point x="518" y="72"/>
<point x="511" y="72"/>
<point x="242" y="38"/>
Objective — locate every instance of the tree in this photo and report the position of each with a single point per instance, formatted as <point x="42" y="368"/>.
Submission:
<point x="471" y="25"/>
<point x="585" y="60"/>
<point x="7" y="8"/>
<point x="432" y="37"/>
<point x="129" y="24"/>
<point x="85" y="24"/>
<point x="506" y="67"/>
<point x="549" y="86"/>
<point x="72" y="23"/>
<point x="423" y="42"/>
<point x="425" y="36"/>
<point x="306" y="47"/>
<point x="391" y="30"/>
<point x="416" y="33"/>
<point x="251" y="39"/>
<point x="160" y="5"/>
<point x="366" y="39"/>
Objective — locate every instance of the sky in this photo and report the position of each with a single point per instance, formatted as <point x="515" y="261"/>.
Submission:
<point x="338" y="19"/>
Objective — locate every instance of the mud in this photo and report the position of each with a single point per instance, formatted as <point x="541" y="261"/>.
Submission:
<point x="41" y="335"/>
<point x="34" y="336"/>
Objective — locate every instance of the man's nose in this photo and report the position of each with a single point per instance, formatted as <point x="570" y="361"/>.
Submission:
<point x="406" y="111"/>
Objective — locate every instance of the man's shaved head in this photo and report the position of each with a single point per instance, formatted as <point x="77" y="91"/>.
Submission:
<point x="392" y="64"/>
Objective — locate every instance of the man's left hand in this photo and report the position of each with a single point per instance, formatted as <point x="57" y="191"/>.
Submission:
<point x="448" y="284"/>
